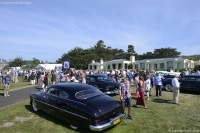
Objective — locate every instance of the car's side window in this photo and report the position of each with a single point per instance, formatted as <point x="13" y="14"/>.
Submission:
<point x="190" y="79"/>
<point x="63" y="95"/>
<point x="100" y="78"/>
<point x="53" y="91"/>
<point x="198" y="79"/>
<point x="183" y="78"/>
<point x="92" y="79"/>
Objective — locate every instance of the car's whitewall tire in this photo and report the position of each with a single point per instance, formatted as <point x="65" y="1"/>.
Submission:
<point x="34" y="105"/>
<point x="168" y="87"/>
<point x="74" y="127"/>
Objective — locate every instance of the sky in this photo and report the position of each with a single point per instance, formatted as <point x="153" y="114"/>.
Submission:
<point x="46" y="29"/>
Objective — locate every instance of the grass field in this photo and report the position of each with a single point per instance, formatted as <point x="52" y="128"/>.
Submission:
<point x="161" y="117"/>
<point x="14" y="86"/>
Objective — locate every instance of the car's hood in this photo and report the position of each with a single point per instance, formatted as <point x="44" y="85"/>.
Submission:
<point x="103" y="103"/>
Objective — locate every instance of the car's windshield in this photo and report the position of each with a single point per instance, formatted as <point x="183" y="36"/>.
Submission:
<point x="104" y="78"/>
<point x="85" y="94"/>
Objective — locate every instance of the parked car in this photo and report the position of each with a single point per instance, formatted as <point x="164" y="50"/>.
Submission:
<point x="167" y="83"/>
<point x="80" y="105"/>
<point x="189" y="83"/>
<point x="161" y="72"/>
<point x="171" y="74"/>
<point x="105" y="83"/>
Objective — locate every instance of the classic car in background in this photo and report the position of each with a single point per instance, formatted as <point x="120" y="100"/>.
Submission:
<point x="105" y="83"/>
<point x="171" y="74"/>
<point x="189" y="83"/>
<point x="80" y="105"/>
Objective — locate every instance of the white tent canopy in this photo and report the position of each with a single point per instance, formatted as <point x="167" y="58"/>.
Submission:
<point x="49" y="66"/>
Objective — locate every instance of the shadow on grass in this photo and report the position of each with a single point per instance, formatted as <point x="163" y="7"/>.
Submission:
<point x="59" y="121"/>
<point x="38" y="88"/>
<point x="162" y="101"/>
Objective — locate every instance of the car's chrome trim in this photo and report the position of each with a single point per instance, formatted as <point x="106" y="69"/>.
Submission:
<point x="112" y="92"/>
<point x="106" y="125"/>
<point x="61" y="109"/>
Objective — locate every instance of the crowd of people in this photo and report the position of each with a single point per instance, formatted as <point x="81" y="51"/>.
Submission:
<point x="144" y="81"/>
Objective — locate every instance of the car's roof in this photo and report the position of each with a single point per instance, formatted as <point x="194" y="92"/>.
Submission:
<point x="74" y="87"/>
<point x="192" y="76"/>
<point x="97" y="75"/>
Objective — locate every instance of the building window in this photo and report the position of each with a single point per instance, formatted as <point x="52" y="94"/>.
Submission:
<point x="179" y="65"/>
<point x="162" y="65"/>
<point x="155" y="66"/>
<point x="150" y="67"/>
<point x="95" y="67"/>
<point x="90" y="67"/>
<point x="170" y="64"/>
<point x="142" y="66"/>
<point x="108" y="67"/>
<point x="120" y="66"/>
<point x="136" y="66"/>
<point x="114" y="66"/>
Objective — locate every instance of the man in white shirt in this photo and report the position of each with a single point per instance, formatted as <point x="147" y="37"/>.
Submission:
<point x="175" y="90"/>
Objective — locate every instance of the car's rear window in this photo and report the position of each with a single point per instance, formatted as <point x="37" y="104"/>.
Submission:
<point x="188" y="78"/>
<point x="85" y="94"/>
<point x="198" y="79"/>
<point x="106" y="78"/>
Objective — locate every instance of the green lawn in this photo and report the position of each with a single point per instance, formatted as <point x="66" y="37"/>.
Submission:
<point x="14" y="86"/>
<point x="160" y="117"/>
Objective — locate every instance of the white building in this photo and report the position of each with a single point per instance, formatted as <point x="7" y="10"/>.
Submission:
<point x="197" y="62"/>
<point x="162" y="63"/>
<point x="49" y="66"/>
<point x="110" y="65"/>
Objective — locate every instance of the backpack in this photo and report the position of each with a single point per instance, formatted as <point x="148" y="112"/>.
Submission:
<point x="7" y="80"/>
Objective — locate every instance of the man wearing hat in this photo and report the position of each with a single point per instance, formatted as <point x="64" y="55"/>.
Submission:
<point x="158" y="84"/>
<point x="175" y="89"/>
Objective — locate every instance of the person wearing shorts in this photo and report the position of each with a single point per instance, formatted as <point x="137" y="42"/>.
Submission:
<point x="125" y="96"/>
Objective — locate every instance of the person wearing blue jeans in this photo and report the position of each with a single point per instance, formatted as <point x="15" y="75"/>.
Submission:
<point x="158" y="83"/>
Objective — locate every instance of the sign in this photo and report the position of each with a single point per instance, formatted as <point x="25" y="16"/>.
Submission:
<point x="66" y="65"/>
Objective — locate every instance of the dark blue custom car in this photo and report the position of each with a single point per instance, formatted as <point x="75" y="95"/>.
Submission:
<point x="80" y="105"/>
<point x="189" y="83"/>
<point x="105" y="83"/>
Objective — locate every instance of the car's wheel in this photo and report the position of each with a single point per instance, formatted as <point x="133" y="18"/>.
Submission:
<point x="73" y="127"/>
<point x="34" y="105"/>
<point x="168" y="87"/>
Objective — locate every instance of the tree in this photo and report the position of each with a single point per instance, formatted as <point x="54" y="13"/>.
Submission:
<point x="17" y="62"/>
<point x="101" y="51"/>
<point x="78" y="58"/>
<point x="191" y="58"/>
<point x="166" y="53"/>
<point x="35" y="61"/>
<point x="118" y="53"/>
<point x="131" y="51"/>
<point x="160" y="53"/>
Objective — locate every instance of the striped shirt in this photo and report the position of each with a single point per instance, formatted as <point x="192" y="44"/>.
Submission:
<point x="125" y="89"/>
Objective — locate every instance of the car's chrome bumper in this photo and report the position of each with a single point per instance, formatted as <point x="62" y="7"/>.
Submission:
<point x="106" y="125"/>
<point x="112" y="92"/>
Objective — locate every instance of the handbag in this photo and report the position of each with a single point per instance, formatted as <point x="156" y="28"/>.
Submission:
<point x="147" y="89"/>
<point x="137" y="94"/>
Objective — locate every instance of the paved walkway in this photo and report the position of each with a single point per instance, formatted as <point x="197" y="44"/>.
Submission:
<point x="17" y="95"/>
